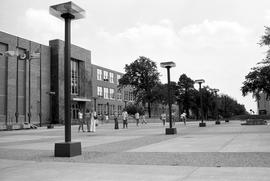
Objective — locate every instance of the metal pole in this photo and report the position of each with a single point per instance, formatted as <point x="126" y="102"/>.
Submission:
<point x="50" y="108"/>
<point x="108" y="108"/>
<point x="95" y="104"/>
<point x="67" y="54"/>
<point x="169" y="96"/>
<point x="17" y="82"/>
<point x="216" y="108"/>
<point x="40" y="90"/>
<point x="29" y="88"/>
<point x="201" y="101"/>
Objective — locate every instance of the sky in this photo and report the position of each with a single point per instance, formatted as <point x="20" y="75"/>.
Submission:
<point x="214" y="40"/>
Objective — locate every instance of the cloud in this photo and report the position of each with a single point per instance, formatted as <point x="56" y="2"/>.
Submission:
<point x="163" y="36"/>
<point x="42" y="25"/>
<point x="215" y="34"/>
<point x="143" y="36"/>
<point x="40" y="20"/>
<point x="267" y="14"/>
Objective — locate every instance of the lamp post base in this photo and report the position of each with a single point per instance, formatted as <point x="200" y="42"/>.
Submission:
<point x="202" y="124"/>
<point x="171" y="131"/>
<point x="217" y="122"/>
<point x="67" y="149"/>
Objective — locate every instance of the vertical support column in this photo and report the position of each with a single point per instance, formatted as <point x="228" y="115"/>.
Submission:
<point x="169" y="96"/>
<point x="200" y="89"/>
<point x="67" y="80"/>
<point x="40" y="87"/>
<point x="17" y="86"/>
<point x="29" y="83"/>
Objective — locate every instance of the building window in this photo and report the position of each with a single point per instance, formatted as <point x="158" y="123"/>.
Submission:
<point x="119" y="95"/>
<point x="99" y="74"/>
<point x="118" y="77"/>
<point x="74" y="77"/>
<point x="112" y="109"/>
<point x="125" y="95"/>
<point x="111" y="94"/>
<point x="105" y="109"/>
<point x="100" y="109"/>
<point x="119" y="109"/>
<point x="105" y="76"/>
<point x="130" y="96"/>
<point x="99" y="91"/>
<point x="74" y="110"/>
<point x="106" y="93"/>
<point x="111" y="77"/>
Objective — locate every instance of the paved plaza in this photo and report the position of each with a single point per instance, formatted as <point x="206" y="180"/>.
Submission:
<point x="217" y="152"/>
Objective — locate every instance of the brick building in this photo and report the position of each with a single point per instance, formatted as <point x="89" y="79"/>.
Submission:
<point x="33" y="91"/>
<point x="23" y="84"/>
<point x="107" y="98"/>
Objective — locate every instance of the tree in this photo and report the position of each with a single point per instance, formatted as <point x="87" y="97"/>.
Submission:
<point x="258" y="80"/>
<point x="142" y="76"/>
<point x="132" y="109"/>
<point x="229" y="107"/>
<point x="185" y="85"/>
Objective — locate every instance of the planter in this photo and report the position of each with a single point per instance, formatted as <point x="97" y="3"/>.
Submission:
<point x="202" y="124"/>
<point x="50" y="126"/>
<point x="217" y="122"/>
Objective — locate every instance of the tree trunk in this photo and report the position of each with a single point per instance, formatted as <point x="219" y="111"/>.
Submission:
<point x="179" y="109"/>
<point x="149" y="109"/>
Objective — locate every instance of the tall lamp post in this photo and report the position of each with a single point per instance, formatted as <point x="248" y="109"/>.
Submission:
<point x="169" y="65"/>
<point x="216" y="108"/>
<point x="200" y="81"/>
<point x="67" y="11"/>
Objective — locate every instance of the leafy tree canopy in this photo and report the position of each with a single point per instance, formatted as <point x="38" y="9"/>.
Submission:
<point x="258" y="80"/>
<point x="143" y="76"/>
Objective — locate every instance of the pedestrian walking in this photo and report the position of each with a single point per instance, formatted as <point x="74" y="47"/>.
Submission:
<point x="88" y="119"/>
<point x="116" y="120"/>
<point x="95" y="116"/>
<point x="93" y="122"/>
<point x="183" y="117"/>
<point x="143" y="119"/>
<point x="173" y="118"/>
<point x="125" y="121"/>
<point x="102" y="118"/>
<point x="81" y="122"/>
<point x="137" y="117"/>
<point x="163" y="118"/>
<point x="106" y="118"/>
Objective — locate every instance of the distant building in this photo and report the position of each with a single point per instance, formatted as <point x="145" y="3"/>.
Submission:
<point x="107" y="98"/>
<point x="33" y="91"/>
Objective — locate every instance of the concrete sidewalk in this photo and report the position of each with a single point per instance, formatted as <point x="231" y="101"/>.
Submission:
<point x="216" y="152"/>
<point x="60" y="171"/>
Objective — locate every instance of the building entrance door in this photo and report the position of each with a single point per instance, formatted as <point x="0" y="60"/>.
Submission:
<point x="75" y="107"/>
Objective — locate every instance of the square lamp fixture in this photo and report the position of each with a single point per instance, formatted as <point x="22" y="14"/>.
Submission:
<point x="167" y="64"/>
<point x="67" y="8"/>
<point x="199" y="81"/>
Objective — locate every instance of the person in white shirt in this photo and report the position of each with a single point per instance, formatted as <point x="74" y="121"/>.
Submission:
<point x="183" y="117"/>
<point x="80" y="116"/>
<point x="163" y="118"/>
<point x="88" y="119"/>
<point x="137" y="117"/>
<point x="125" y="117"/>
<point x="93" y="121"/>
